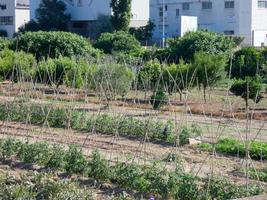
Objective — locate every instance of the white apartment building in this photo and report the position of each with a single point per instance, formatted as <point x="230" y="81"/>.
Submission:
<point x="85" y="12"/>
<point x="246" y="18"/>
<point x="13" y="14"/>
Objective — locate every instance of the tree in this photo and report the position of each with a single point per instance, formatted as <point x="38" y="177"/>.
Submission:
<point x="192" y="42"/>
<point x="209" y="69"/>
<point x="118" y="42"/>
<point x="178" y="77"/>
<point x="51" y="15"/>
<point x="143" y="33"/>
<point x="111" y="79"/>
<point x="53" y="44"/>
<point x="247" y="61"/>
<point x="121" y="14"/>
<point x="248" y="88"/>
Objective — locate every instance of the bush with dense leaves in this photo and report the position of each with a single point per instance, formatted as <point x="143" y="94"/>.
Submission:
<point x="249" y="88"/>
<point x="16" y="65"/>
<point x="257" y="149"/>
<point x="53" y="44"/>
<point x="63" y="70"/>
<point x="118" y="42"/>
<point x="158" y="99"/>
<point x="247" y="61"/>
<point x="111" y="79"/>
<point x="192" y="42"/>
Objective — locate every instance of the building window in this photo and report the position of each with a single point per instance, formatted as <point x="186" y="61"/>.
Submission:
<point x="3" y="6"/>
<point x="206" y="5"/>
<point x="262" y="4"/>
<point x="161" y="12"/>
<point x="177" y="13"/>
<point x="229" y="32"/>
<point x="186" y="6"/>
<point x="229" y="4"/>
<point x="6" y="20"/>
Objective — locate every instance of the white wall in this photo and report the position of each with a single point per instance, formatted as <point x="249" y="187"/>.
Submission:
<point x="22" y="16"/>
<point x="259" y="24"/>
<point x="140" y="12"/>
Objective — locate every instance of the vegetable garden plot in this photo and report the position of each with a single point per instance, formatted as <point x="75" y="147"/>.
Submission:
<point x="170" y="176"/>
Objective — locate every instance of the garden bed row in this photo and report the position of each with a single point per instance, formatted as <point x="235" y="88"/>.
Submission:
<point x="151" y="179"/>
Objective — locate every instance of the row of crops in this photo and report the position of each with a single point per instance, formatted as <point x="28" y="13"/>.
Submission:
<point x="151" y="179"/>
<point x="124" y="126"/>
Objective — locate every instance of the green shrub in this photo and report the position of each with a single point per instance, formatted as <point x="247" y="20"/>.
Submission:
<point x="118" y="42"/>
<point x="209" y="42"/>
<point x="16" y="65"/>
<point x="56" y="158"/>
<point x="187" y="133"/>
<point x="257" y="149"/>
<point x="5" y="43"/>
<point x="149" y="75"/>
<point x="53" y="44"/>
<point x="158" y="99"/>
<point x="9" y="147"/>
<point x="247" y="61"/>
<point x="98" y="167"/>
<point x="75" y="161"/>
<point x="249" y="88"/>
<point x="63" y="70"/>
<point x="112" y="79"/>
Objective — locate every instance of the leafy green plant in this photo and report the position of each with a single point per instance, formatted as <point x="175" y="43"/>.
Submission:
<point x="75" y="161"/>
<point x="53" y="44"/>
<point x="189" y="132"/>
<point x="98" y="167"/>
<point x="158" y="99"/>
<point x="118" y="42"/>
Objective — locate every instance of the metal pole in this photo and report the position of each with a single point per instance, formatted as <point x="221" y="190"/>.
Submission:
<point x="163" y="24"/>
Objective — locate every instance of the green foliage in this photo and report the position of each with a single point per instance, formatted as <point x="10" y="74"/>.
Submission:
<point x="31" y="26"/>
<point x="178" y="77"/>
<point x="9" y="147"/>
<point x="149" y="75"/>
<point x="189" y="132"/>
<point x="210" y="69"/>
<point x="101" y="25"/>
<point x="41" y="186"/>
<point x="143" y="33"/>
<point x="121" y="17"/>
<point x="98" y="167"/>
<point x="193" y="42"/>
<point x="158" y="99"/>
<point x="4" y="43"/>
<point x="257" y="149"/>
<point x="75" y="161"/>
<point x="149" y="179"/>
<point x="103" y="123"/>
<point x="112" y="79"/>
<point x="118" y="42"/>
<point x="249" y="88"/>
<point x="220" y="188"/>
<point x="16" y="65"/>
<point x="51" y="16"/>
<point x="53" y="44"/>
<point x="246" y="62"/>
